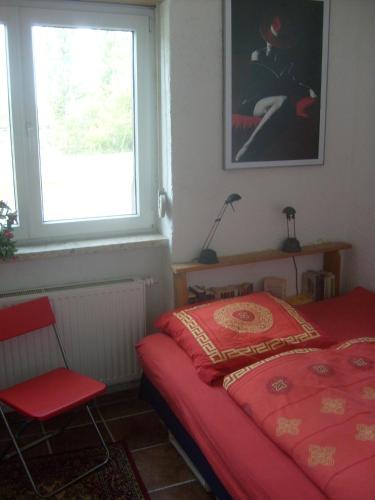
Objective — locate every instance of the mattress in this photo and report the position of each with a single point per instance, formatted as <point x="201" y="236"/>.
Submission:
<point x="248" y="464"/>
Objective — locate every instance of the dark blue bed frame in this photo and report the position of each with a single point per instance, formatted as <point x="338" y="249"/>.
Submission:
<point x="151" y="394"/>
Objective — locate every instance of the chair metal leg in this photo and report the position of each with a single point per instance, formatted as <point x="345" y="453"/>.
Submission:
<point x="19" y="451"/>
<point x="75" y="480"/>
<point x="98" y="431"/>
<point x="5" y="455"/>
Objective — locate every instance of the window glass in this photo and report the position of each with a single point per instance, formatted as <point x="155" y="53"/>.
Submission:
<point x="6" y="157"/>
<point x="85" y="111"/>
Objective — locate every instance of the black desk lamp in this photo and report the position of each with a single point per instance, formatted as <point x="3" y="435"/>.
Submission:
<point x="208" y="256"/>
<point x="291" y="244"/>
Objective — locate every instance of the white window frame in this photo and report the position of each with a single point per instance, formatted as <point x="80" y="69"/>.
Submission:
<point x="18" y="20"/>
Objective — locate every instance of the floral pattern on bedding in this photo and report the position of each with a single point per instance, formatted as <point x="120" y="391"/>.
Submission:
<point x="318" y="406"/>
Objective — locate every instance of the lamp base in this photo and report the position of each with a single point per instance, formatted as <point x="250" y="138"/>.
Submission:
<point x="208" y="256"/>
<point x="291" y="245"/>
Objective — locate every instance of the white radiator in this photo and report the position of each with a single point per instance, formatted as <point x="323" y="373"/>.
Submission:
<point x="99" y="326"/>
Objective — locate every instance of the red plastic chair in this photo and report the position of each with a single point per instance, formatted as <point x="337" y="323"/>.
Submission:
<point x="47" y="395"/>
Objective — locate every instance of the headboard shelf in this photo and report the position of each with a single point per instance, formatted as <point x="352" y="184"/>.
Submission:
<point x="330" y="251"/>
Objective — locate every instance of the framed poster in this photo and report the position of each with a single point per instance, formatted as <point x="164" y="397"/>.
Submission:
<point x="275" y="82"/>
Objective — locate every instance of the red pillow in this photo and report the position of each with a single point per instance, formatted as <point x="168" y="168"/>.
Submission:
<point x="226" y="335"/>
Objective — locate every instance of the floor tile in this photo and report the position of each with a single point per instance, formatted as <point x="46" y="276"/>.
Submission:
<point x="79" y="417"/>
<point x="3" y="432"/>
<point x="161" y="466"/>
<point x="78" y="438"/>
<point x="131" y="419"/>
<point x="15" y="421"/>
<point x="37" y="451"/>
<point x="191" y="491"/>
<point x="123" y="408"/>
<point x="139" y="430"/>
<point x="115" y="396"/>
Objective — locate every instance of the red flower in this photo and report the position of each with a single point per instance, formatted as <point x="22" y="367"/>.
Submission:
<point x="8" y="234"/>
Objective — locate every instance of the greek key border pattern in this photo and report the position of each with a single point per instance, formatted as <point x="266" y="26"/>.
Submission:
<point x="351" y="342"/>
<point x="307" y="327"/>
<point x="216" y="356"/>
<point x="234" y="376"/>
<point x="200" y="336"/>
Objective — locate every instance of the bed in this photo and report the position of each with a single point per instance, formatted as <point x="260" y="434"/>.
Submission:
<point x="231" y="451"/>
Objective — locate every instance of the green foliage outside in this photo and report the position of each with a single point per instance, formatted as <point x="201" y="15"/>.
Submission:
<point x="91" y="113"/>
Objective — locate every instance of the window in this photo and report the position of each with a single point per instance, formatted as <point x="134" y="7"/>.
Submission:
<point x="6" y="164"/>
<point x="77" y="119"/>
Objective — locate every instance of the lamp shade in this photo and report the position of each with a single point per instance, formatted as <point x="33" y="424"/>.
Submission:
<point x="232" y="198"/>
<point x="290" y="244"/>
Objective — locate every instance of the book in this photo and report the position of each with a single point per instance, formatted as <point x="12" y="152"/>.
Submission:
<point x="228" y="291"/>
<point x="275" y="286"/>
<point x="319" y="285"/>
<point x="199" y="293"/>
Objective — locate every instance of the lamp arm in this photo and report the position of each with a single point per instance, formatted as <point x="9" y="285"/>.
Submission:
<point x="214" y="227"/>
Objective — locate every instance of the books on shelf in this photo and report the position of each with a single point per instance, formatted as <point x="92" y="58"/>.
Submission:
<point x="198" y="293"/>
<point x="319" y="285"/>
<point x="275" y="286"/>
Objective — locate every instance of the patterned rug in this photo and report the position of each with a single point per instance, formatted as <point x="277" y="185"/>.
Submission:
<point x="119" y="479"/>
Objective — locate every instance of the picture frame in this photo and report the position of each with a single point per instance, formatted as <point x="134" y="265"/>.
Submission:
<point x="275" y="59"/>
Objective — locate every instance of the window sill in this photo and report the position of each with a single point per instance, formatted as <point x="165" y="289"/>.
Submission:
<point x="89" y="246"/>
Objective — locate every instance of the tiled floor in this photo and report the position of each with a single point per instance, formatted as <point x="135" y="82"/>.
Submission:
<point x="122" y="415"/>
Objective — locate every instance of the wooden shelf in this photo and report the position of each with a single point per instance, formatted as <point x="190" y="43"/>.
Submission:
<point x="298" y="300"/>
<point x="330" y="251"/>
<point x="259" y="256"/>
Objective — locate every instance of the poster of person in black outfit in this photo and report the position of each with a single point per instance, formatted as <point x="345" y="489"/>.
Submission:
<point x="277" y="78"/>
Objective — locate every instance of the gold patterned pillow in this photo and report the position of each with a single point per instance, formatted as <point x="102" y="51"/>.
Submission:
<point x="225" y="335"/>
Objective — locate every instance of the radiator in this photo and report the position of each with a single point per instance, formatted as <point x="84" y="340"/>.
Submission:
<point x="99" y="325"/>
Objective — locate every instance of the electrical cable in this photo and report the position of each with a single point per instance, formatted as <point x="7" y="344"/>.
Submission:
<point x="296" y="270"/>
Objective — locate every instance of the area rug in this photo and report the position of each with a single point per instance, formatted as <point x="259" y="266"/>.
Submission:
<point x="119" y="479"/>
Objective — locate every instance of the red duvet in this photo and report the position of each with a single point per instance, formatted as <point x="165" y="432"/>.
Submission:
<point x="319" y="407"/>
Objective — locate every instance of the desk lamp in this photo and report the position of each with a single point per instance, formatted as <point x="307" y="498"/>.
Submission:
<point x="207" y="255"/>
<point x="291" y="244"/>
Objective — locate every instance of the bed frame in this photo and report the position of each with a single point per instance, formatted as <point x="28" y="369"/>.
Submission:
<point x="149" y="393"/>
<point x="331" y="262"/>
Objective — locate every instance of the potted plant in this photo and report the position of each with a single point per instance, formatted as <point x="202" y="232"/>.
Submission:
<point x="7" y="219"/>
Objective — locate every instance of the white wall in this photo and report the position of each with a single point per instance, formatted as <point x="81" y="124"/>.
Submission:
<point x="99" y="265"/>
<point x="328" y="199"/>
<point x="361" y="184"/>
<point x="200" y="185"/>
<point x="333" y="202"/>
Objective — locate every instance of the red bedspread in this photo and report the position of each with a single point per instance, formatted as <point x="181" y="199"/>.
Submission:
<point x="345" y="317"/>
<point x="249" y="465"/>
<point x="319" y="407"/>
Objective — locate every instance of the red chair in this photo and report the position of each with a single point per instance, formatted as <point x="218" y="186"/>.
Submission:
<point x="47" y="395"/>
